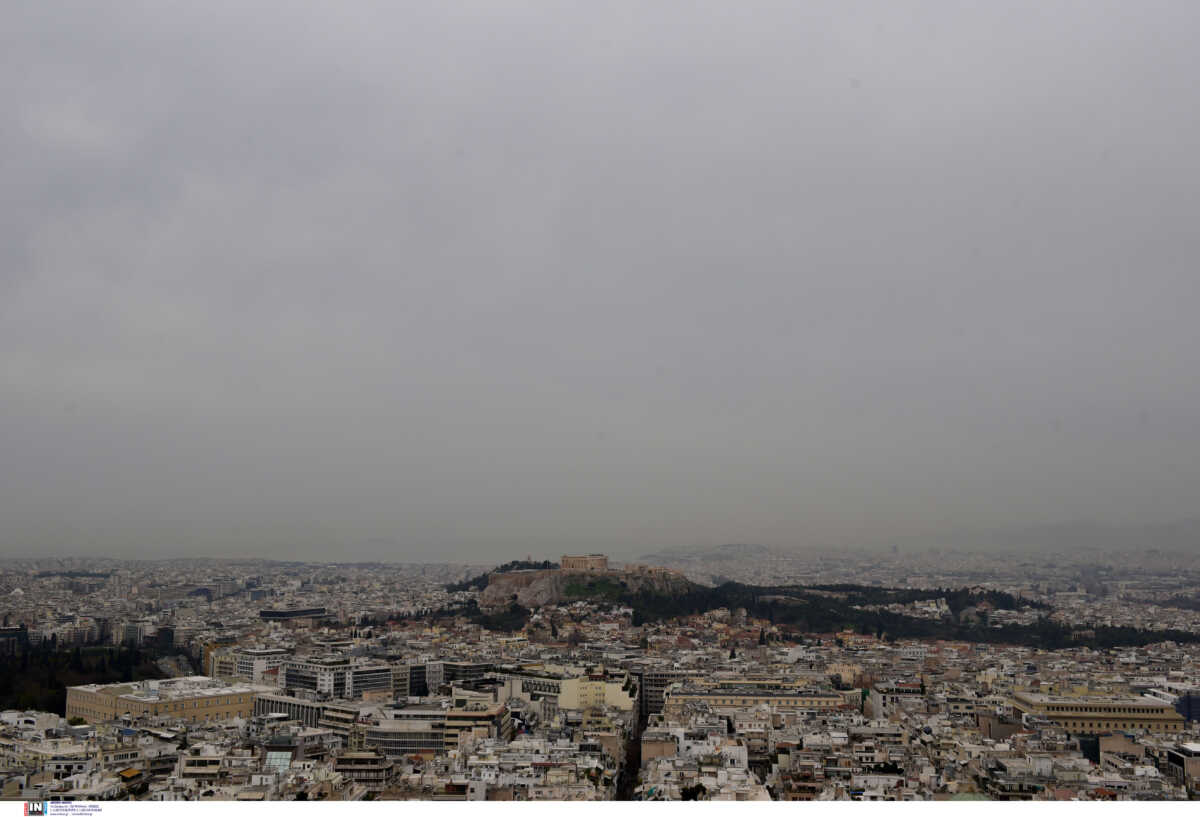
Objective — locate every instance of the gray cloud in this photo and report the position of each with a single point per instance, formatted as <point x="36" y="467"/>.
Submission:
<point x="493" y="278"/>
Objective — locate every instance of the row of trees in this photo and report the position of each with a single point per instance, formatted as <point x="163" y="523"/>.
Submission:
<point x="958" y="599"/>
<point x="37" y="677"/>
<point x="801" y="610"/>
<point x="481" y="581"/>
<point x="1181" y="602"/>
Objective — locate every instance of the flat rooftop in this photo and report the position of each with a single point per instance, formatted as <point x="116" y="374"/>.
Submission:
<point x="1123" y="700"/>
<point x="757" y="692"/>
<point x="172" y="688"/>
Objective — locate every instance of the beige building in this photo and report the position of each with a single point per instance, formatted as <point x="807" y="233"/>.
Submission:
<point x="470" y="716"/>
<point x="1096" y="713"/>
<point x="749" y="696"/>
<point x="593" y="561"/>
<point x="597" y="691"/>
<point x="223" y="663"/>
<point x="194" y="699"/>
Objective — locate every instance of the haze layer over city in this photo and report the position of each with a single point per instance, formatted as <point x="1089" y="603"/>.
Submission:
<point x="483" y="279"/>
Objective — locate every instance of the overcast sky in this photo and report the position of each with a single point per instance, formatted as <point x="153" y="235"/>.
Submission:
<point x="470" y="280"/>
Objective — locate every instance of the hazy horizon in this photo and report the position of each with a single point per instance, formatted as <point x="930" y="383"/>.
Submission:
<point x="471" y="281"/>
<point x="1177" y="537"/>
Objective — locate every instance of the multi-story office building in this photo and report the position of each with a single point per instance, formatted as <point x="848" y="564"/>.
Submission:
<point x="410" y="680"/>
<point x="306" y="712"/>
<point x="251" y="662"/>
<point x="1188" y="704"/>
<point x="133" y="633"/>
<point x="335" y="676"/>
<point x="324" y="676"/>
<point x="397" y="738"/>
<point x="222" y="586"/>
<point x="364" y="678"/>
<point x="486" y="720"/>
<point x="653" y="684"/>
<point x="448" y="673"/>
<point x="1183" y="762"/>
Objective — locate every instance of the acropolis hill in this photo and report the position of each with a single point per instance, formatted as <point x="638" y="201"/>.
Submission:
<point x="534" y="588"/>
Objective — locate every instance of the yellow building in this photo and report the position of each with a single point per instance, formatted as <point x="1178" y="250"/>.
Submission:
<point x="194" y="699"/>
<point x="216" y="643"/>
<point x="1100" y="713"/>
<point x="750" y="696"/>
<point x="223" y="663"/>
<point x="597" y="691"/>
<point x="845" y="672"/>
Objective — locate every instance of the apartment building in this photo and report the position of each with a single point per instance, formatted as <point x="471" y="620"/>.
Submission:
<point x="367" y="769"/>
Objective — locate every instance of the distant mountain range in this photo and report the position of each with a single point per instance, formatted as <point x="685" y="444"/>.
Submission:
<point x="1175" y="537"/>
<point x="730" y="553"/>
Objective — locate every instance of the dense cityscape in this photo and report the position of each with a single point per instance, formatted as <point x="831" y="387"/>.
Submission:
<point x="735" y="673"/>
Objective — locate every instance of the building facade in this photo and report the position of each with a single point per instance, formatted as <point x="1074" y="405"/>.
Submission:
<point x="1095" y="713"/>
<point x="194" y="699"/>
<point x="335" y="676"/>
<point x="592" y="562"/>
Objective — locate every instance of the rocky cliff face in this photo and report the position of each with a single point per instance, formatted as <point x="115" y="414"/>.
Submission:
<point x="529" y="588"/>
<point x="534" y="588"/>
